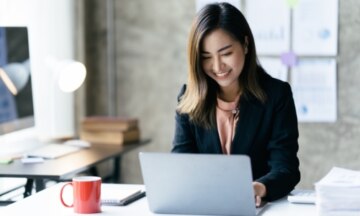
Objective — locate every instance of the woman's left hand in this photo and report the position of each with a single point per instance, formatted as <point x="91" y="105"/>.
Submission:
<point x="260" y="191"/>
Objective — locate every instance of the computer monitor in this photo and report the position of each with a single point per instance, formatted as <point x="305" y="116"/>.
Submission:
<point x="16" y="100"/>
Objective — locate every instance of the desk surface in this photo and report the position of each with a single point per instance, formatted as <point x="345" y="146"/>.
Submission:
<point x="47" y="202"/>
<point x="66" y="166"/>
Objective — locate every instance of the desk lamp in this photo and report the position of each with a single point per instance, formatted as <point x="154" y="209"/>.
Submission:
<point x="70" y="75"/>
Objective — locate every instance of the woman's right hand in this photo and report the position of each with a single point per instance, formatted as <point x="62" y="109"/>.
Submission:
<point x="260" y="192"/>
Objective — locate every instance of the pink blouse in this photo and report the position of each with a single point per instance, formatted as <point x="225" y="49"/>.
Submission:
<point x="227" y="115"/>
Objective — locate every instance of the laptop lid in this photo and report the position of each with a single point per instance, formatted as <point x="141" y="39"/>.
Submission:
<point x="199" y="184"/>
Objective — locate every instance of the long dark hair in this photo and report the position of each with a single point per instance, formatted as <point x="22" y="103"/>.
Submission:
<point x="199" y="99"/>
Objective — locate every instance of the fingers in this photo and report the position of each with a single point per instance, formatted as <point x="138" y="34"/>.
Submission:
<point x="257" y="201"/>
<point x="260" y="191"/>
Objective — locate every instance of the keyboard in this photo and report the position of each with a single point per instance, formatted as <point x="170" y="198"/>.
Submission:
<point x="52" y="151"/>
<point x="302" y="196"/>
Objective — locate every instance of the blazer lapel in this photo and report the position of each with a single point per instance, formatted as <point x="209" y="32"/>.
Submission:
<point x="251" y="113"/>
<point x="217" y="144"/>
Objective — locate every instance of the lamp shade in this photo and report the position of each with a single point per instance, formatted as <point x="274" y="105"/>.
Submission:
<point x="71" y="74"/>
<point x="15" y="76"/>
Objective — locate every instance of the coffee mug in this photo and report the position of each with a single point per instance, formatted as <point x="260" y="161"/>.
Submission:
<point x="86" y="193"/>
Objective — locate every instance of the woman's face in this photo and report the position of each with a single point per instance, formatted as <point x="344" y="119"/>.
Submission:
<point x="222" y="58"/>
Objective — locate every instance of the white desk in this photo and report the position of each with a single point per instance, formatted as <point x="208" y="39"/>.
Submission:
<point x="47" y="203"/>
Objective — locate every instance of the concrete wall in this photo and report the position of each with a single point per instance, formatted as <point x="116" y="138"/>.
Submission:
<point x="151" y="66"/>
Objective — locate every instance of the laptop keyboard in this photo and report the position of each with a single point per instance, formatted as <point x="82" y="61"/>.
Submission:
<point x="51" y="151"/>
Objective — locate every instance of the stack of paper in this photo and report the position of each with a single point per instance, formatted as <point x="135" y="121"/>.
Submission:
<point x="338" y="193"/>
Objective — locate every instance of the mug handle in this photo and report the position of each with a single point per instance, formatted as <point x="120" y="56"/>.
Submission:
<point x="61" y="195"/>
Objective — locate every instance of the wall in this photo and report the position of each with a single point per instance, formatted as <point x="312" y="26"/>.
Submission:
<point x="151" y="62"/>
<point x="151" y="66"/>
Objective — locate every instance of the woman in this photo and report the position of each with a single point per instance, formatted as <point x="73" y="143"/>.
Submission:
<point x="231" y="106"/>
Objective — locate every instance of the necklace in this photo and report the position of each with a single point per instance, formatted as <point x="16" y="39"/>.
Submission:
<point x="233" y="111"/>
<point x="229" y="107"/>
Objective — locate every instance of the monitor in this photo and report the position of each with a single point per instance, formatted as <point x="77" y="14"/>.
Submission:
<point x="16" y="96"/>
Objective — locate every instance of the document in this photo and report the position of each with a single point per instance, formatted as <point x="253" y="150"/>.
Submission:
<point x="274" y="67"/>
<point x="315" y="27"/>
<point x="270" y="27"/>
<point x="314" y="88"/>
<point x="341" y="177"/>
<point x="338" y="193"/>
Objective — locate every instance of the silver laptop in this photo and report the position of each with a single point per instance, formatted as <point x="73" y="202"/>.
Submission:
<point x="199" y="184"/>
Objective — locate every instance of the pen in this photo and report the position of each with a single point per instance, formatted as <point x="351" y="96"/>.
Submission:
<point x="6" y="160"/>
<point x="133" y="198"/>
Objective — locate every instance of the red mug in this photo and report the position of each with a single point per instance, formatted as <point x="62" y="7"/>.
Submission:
<point x="86" y="193"/>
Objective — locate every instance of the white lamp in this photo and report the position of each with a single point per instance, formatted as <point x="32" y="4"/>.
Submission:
<point x="70" y="75"/>
<point x="67" y="74"/>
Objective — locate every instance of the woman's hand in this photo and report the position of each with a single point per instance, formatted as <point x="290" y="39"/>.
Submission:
<point x="260" y="191"/>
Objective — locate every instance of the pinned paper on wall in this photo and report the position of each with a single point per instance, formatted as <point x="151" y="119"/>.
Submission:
<point x="314" y="88"/>
<point x="315" y="27"/>
<point x="274" y="67"/>
<point x="270" y="24"/>
<point x="201" y="3"/>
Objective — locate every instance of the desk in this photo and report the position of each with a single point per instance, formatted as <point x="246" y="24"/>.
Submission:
<point x="47" y="202"/>
<point x="67" y="166"/>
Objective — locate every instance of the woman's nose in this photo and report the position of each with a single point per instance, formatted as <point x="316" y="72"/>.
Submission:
<point x="217" y="65"/>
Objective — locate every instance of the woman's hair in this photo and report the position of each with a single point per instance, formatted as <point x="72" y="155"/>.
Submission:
<point x="199" y="99"/>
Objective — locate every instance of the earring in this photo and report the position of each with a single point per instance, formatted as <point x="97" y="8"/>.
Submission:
<point x="246" y="44"/>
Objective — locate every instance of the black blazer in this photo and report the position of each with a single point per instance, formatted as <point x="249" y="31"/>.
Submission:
<point x="266" y="132"/>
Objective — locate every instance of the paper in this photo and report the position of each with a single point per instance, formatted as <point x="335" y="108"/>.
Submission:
<point x="270" y="27"/>
<point x="274" y="67"/>
<point x="315" y="27"/>
<point x="338" y="193"/>
<point x="314" y="88"/>
<point x="341" y="177"/>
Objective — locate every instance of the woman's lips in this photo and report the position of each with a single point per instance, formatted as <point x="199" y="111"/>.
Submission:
<point x="222" y="74"/>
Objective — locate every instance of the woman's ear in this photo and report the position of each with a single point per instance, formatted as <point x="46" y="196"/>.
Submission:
<point x="246" y="45"/>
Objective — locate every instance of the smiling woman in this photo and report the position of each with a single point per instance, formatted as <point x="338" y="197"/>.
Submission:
<point x="230" y="105"/>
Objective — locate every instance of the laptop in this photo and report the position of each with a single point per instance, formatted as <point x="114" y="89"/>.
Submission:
<point x="200" y="184"/>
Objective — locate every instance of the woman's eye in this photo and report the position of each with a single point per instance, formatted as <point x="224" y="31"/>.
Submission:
<point x="227" y="54"/>
<point x="205" y="57"/>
